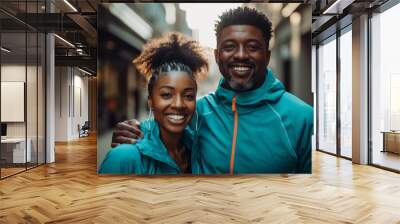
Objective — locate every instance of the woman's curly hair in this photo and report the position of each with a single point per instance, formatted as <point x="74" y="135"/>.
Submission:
<point x="171" y="52"/>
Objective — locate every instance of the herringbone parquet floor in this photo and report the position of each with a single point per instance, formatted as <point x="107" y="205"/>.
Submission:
<point x="70" y="191"/>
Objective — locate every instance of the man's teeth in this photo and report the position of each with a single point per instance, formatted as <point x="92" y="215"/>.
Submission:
<point x="176" y="117"/>
<point x="240" y="68"/>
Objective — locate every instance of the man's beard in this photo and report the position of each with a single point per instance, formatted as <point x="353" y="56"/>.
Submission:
<point x="241" y="87"/>
<point x="235" y="86"/>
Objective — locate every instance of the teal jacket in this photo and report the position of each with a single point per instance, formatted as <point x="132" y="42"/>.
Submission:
<point x="147" y="156"/>
<point x="272" y="135"/>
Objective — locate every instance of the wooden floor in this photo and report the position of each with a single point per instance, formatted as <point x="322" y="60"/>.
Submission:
<point x="70" y="191"/>
<point x="10" y="171"/>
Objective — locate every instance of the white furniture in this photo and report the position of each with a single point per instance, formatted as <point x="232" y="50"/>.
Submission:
<point x="18" y="149"/>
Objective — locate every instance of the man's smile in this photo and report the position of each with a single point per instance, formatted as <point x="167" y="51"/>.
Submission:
<point x="241" y="70"/>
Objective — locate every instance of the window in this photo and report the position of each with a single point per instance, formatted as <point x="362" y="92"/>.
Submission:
<point x="327" y="96"/>
<point x="22" y="74"/>
<point x="385" y="89"/>
<point x="346" y="94"/>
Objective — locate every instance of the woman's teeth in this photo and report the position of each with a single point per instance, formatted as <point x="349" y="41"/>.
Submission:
<point x="176" y="118"/>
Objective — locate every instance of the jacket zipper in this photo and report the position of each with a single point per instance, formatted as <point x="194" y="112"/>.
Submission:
<point x="235" y="127"/>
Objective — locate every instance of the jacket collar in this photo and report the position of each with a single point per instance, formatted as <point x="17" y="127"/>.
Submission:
<point x="152" y="146"/>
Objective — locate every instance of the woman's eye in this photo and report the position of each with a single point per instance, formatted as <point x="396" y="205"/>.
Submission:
<point x="189" y="96"/>
<point x="166" y="95"/>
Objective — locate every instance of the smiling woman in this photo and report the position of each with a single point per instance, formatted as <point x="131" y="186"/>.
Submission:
<point x="170" y="64"/>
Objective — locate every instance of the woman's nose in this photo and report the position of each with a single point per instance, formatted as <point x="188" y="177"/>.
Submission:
<point x="178" y="102"/>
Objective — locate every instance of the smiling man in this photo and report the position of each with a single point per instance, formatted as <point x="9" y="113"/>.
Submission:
<point x="241" y="57"/>
<point x="250" y="124"/>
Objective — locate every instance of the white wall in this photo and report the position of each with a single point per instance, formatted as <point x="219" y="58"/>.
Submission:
<point x="33" y="126"/>
<point x="13" y="73"/>
<point x="80" y="94"/>
<point x="61" y="103"/>
<point x="71" y="87"/>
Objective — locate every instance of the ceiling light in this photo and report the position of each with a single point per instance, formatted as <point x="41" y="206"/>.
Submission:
<point x="79" y="44"/>
<point x="337" y="7"/>
<point x="289" y="9"/>
<point x="170" y="13"/>
<point x="131" y="19"/>
<point x="276" y="7"/>
<point x="70" y="5"/>
<point x="84" y="71"/>
<point x="5" y="50"/>
<point x="65" y="41"/>
<point x="295" y="19"/>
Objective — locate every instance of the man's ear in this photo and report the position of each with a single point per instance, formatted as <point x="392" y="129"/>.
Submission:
<point x="216" y="55"/>
<point x="267" y="56"/>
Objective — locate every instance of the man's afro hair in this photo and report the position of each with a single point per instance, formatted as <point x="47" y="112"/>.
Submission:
<point x="245" y="16"/>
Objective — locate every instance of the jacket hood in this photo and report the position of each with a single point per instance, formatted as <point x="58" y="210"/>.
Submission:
<point x="271" y="91"/>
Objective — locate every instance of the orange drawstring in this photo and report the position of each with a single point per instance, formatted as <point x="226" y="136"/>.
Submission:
<point x="235" y="124"/>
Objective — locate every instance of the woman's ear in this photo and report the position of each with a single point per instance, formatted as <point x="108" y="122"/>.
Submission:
<point x="150" y="103"/>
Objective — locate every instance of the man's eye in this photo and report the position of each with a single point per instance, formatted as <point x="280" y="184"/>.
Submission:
<point x="228" y="47"/>
<point x="253" y="47"/>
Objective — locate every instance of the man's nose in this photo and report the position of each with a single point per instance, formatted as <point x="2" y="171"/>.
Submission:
<point x="241" y="53"/>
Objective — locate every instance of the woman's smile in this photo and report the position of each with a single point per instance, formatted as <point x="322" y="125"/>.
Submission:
<point x="177" y="119"/>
